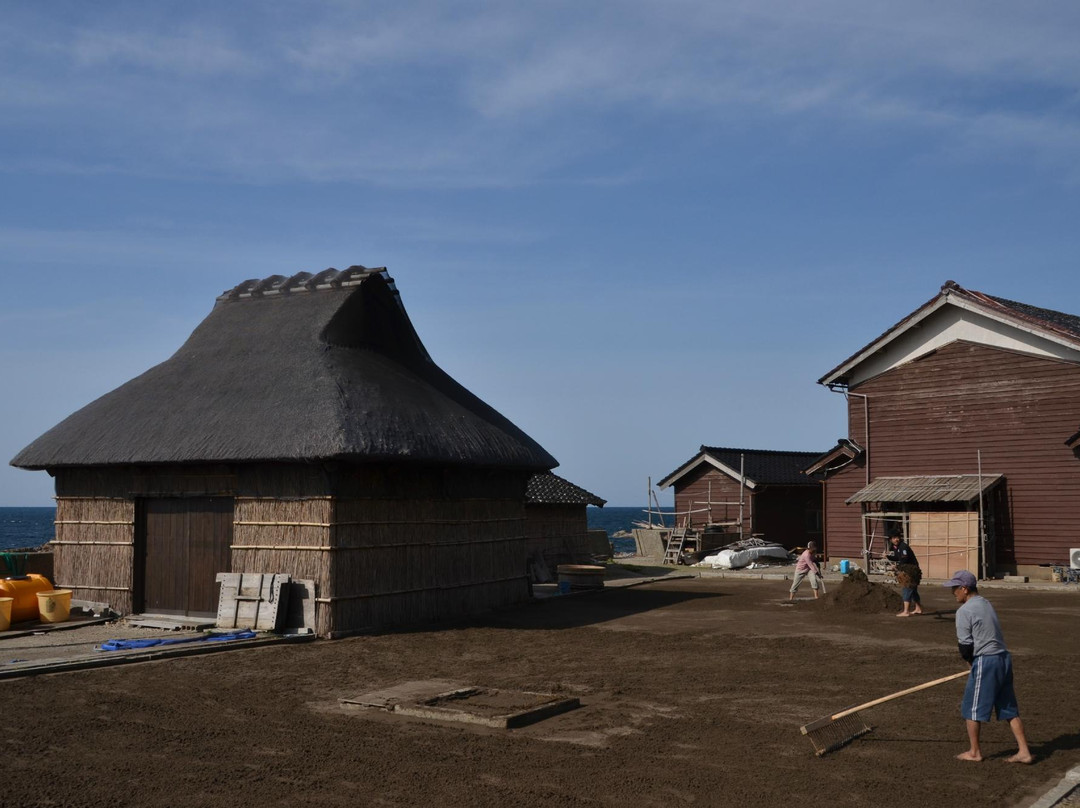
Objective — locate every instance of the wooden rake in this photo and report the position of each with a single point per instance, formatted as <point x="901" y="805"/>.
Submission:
<point x="833" y="731"/>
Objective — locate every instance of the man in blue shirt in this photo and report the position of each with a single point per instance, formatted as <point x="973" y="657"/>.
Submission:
<point x="990" y="685"/>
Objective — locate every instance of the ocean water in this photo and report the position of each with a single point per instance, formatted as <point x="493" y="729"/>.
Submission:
<point x="26" y="527"/>
<point x="613" y="519"/>
<point x="32" y="527"/>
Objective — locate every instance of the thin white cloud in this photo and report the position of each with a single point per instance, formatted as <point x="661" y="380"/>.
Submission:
<point x="488" y="95"/>
<point x="199" y="52"/>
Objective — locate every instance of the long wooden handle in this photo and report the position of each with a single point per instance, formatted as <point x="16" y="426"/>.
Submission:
<point x="830" y="718"/>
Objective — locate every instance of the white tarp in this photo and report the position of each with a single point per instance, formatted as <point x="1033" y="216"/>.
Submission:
<point x="736" y="558"/>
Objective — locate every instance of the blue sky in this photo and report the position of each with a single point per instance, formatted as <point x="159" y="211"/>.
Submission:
<point x="632" y="227"/>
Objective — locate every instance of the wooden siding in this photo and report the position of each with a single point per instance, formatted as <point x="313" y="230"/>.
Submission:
<point x="183" y="542"/>
<point x="932" y="415"/>
<point x="784" y="514"/>
<point x="789" y="515"/>
<point x="707" y="484"/>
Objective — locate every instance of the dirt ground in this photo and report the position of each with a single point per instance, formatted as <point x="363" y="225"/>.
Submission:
<point x="692" y="693"/>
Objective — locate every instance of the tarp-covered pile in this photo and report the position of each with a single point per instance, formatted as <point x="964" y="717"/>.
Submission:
<point x="744" y="553"/>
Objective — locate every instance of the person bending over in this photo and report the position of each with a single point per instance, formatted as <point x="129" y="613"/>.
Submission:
<point x="806" y="567"/>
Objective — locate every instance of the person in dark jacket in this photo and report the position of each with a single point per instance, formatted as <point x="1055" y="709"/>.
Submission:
<point x="908" y="574"/>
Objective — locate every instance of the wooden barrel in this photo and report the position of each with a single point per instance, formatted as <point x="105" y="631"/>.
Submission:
<point x="581" y="576"/>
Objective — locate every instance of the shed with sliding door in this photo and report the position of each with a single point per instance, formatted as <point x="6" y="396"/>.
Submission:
<point x="301" y="429"/>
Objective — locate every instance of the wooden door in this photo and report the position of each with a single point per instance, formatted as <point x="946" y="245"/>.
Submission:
<point x="186" y="543"/>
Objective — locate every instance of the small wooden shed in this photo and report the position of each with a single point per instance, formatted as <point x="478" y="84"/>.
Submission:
<point x="557" y="525"/>
<point x="302" y="429"/>
<point x="746" y="492"/>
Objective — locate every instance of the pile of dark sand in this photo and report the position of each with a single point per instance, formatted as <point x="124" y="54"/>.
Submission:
<point x="857" y="593"/>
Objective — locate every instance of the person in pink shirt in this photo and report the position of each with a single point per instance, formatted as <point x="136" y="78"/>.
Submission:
<point x="806" y="567"/>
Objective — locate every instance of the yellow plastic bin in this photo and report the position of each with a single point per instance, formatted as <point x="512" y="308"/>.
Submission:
<point x="23" y="591"/>
<point x="54" y="606"/>
<point x="5" y="613"/>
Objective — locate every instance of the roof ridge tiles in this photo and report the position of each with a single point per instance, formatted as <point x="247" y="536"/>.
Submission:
<point x="330" y="278"/>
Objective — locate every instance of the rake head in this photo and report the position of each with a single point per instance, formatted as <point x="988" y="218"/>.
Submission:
<point x="829" y="734"/>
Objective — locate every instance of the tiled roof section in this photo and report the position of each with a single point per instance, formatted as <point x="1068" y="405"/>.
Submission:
<point x="1057" y="320"/>
<point x="942" y="488"/>
<point x="302" y="282"/>
<point x="761" y="466"/>
<point x="546" y="488"/>
<point x="766" y="466"/>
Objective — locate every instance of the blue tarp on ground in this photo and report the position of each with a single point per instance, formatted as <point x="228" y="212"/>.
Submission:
<point x="134" y="645"/>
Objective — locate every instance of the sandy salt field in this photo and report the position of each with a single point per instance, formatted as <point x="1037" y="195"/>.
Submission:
<point x="692" y="693"/>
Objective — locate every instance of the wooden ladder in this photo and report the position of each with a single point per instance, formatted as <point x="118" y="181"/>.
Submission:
<point x="675" y="545"/>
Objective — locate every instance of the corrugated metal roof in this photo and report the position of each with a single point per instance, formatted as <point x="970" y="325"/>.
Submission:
<point x="942" y="488"/>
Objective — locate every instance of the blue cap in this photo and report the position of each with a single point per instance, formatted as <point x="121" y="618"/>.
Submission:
<point x="961" y="578"/>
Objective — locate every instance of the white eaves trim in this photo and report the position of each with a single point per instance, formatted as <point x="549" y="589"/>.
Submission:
<point x="702" y="458"/>
<point x="971" y="321"/>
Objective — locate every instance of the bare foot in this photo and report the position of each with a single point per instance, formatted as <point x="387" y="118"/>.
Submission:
<point x="903" y="614"/>
<point x="1018" y="758"/>
<point x="969" y="755"/>
<point x="918" y="612"/>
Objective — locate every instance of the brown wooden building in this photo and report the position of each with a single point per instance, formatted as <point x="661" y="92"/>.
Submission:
<point x="302" y="429"/>
<point x="764" y="491"/>
<point x="963" y="424"/>
<point x="557" y="526"/>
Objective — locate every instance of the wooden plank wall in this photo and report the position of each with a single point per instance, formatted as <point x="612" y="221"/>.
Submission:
<point x="693" y="491"/>
<point x="786" y="514"/>
<point x="931" y="415"/>
<point x="779" y="513"/>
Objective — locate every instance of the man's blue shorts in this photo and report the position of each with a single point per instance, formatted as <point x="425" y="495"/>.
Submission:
<point x="990" y="688"/>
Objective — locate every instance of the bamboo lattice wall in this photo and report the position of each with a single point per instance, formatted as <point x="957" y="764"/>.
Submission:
<point x="384" y="545"/>
<point x="93" y="552"/>
<point x="560" y="533"/>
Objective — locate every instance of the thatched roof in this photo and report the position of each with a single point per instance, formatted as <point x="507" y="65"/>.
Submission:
<point x="307" y="368"/>
<point x="546" y="488"/>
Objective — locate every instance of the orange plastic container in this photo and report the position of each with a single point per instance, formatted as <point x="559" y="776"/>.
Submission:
<point x="23" y="593"/>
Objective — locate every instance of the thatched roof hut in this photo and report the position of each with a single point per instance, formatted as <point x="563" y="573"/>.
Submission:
<point x="312" y="367"/>
<point x="304" y="428"/>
